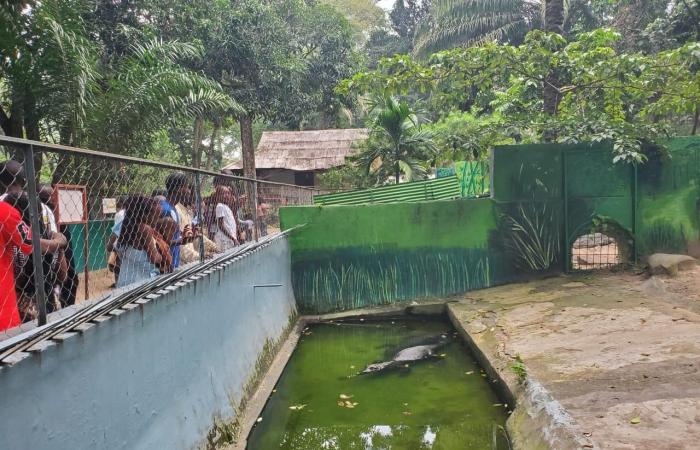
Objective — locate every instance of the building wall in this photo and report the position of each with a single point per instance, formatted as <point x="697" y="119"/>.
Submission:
<point x="157" y="376"/>
<point x="277" y="175"/>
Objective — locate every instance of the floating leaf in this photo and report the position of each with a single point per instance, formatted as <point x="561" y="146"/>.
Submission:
<point x="442" y="355"/>
<point x="345" y="397"/>
<point x="498" y="404"/>
<point x="469" y="373"/>
<point x="297" y="407"/>
<point x="635" y="420"/>
<point x="352" y="367"/>
<point x="340" y="403"/>
<point x="259" y="420"/>
<point x="407" y="413"/>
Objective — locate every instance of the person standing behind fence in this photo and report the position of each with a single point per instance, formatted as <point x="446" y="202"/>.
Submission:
<point x="15" y="185"/>
<point x="14" y="234"/>
<point x="262" y="211"/>
<point x="52" y="244"/>
<point x="113" y="258"/>
<point x="138" y="251"/>
<point x="226" y="229"/>
<point x="66" y="276"/>
<point x="178" y="190"/>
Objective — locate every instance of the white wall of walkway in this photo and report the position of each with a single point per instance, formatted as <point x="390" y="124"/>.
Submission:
<point x="156" y="376"/>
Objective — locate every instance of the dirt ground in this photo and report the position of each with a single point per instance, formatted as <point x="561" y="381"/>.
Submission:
<point x="619" y="353"/>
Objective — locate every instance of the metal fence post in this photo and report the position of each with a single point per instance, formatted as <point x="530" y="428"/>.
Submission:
<point x="37" y="259"/>
<point x="200" y="220"/>
<point x="565" y="197"/>
<point x="635" y="200"/>
<point x="256" y="233"/>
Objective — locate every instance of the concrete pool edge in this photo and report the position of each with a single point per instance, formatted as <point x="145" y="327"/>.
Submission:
<point x="538" y="420"/>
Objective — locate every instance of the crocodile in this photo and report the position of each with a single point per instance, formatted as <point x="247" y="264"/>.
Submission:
<point x="410" y="354"/>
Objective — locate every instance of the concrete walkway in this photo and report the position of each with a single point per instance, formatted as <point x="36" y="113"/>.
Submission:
<point x="619" y="355"/>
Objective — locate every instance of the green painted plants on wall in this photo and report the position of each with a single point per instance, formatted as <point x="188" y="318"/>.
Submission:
<point x="357" y="278"/>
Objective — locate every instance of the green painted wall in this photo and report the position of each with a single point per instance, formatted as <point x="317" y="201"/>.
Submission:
<point x="669" y="198"/>
<point x="463" y="223"/>
<point x="356" y="256"/>
<point x="543" y="198"/>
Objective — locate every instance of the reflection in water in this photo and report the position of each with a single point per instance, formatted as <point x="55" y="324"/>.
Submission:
<point x="379" y="430"/>
<point x="429" y="438"/>
<point x="439" y="403"/>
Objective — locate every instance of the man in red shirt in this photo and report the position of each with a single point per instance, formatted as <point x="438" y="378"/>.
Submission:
<point x="13" y="233"/>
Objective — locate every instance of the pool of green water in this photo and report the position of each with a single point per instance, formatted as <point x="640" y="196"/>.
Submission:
<point x="320" y="402"/>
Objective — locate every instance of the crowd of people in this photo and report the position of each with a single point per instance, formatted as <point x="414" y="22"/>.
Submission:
<point x="157" y="234"/>
<point x="18" y="291"/>
<point x="151" y="235"/>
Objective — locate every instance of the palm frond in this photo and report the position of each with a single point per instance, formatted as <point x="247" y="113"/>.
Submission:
<point x="455" y="23"/>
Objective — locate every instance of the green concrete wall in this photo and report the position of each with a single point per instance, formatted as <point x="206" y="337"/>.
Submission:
<point x="543" y="198"/>
<point x="356" y="256"/>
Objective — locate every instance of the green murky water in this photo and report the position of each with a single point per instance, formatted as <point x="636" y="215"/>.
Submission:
<point x="439" y="403"/>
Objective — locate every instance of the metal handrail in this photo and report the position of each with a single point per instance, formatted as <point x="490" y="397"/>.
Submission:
<point x="27" y="340"/>
<point x="58" y="148"/>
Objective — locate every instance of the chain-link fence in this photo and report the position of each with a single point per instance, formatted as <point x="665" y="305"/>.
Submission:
<point x="78" y="225"/>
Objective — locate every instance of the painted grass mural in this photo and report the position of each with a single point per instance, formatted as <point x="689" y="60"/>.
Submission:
<point x="356" y="278"/>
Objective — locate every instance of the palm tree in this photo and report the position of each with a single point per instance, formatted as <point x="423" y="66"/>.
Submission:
<point x="151" y="87"/>
<point x="465" y="22"/>
<point x="396" y="144"/>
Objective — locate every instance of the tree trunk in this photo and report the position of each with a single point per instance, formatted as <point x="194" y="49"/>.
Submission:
<point x="32" y="129"/>
<point x="247" y="150"/>
<point x="696" y="119"/>
<point x="197" y="135"/>
<point x="212" y="144"/>
<point x="397" y="167"/>
<point x="553" y="23"/>
<point x="554" y="16"/>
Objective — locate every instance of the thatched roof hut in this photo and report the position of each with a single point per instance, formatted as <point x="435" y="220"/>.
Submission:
<point x="304" y="150"/>
<point x="295" y="157"/>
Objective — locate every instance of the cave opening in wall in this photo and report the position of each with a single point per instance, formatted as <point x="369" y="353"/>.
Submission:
<point x="596" y="251"/>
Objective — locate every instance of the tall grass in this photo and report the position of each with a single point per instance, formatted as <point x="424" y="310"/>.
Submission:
<point x="357" y="278"/>
<point x="662" y="236"/>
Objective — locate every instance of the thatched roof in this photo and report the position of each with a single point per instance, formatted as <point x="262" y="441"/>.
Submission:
<point x="304" y="150"/>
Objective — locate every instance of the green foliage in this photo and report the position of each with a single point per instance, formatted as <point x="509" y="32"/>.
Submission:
<point x="603" y="95"/>
<point x="347" y="177"/>
<point x="364" y="16"/>
<point x="397" y="144"/>
<point x="454" y="23"/>
<point x="461" y="136"/>
<point x="149" y="86"/>
<point x="519" y="369"/>
<point x="115" y="75"/>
